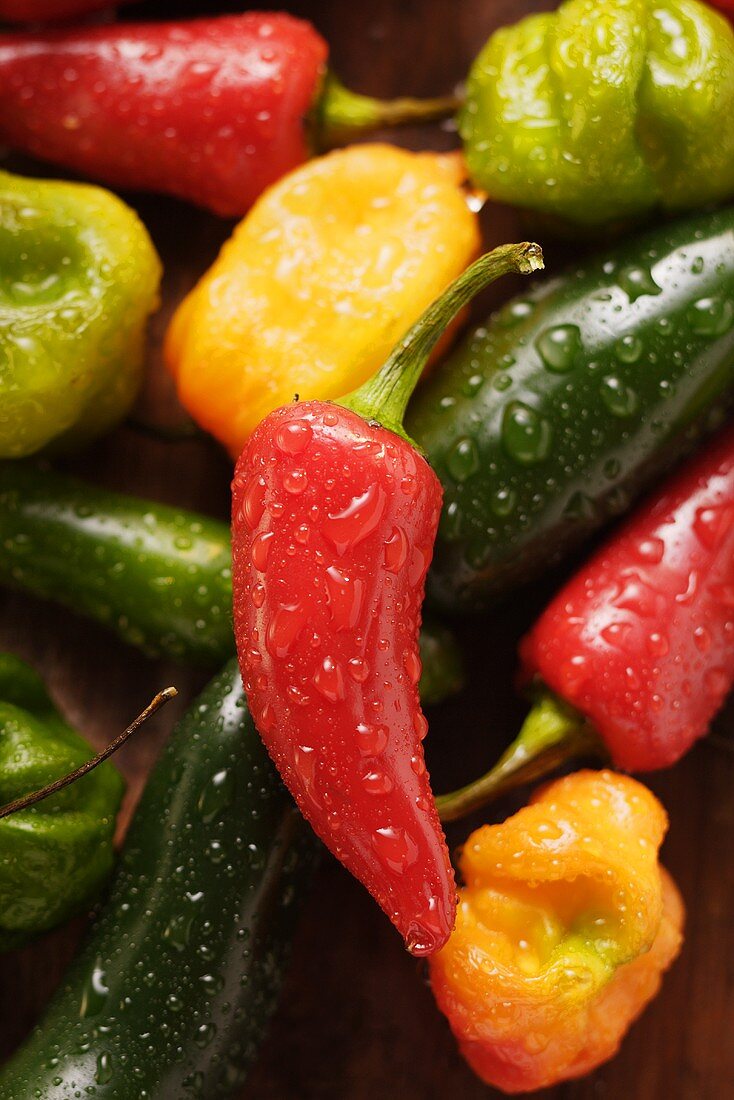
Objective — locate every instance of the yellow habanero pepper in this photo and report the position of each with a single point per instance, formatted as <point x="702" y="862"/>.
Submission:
<point x="565" y="925"/>
<point x="321" y="279"/>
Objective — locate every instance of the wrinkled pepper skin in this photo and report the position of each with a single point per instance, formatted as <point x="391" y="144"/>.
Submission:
<point x="160" y="577"/>
<point x="333" y="526"/>
<point x="565" y="926"/>
<point x="54" y="857"/>
<point x="209" y="110"/>
<point x="80" y="279"/>
<point x="171" y="992"/>
<point x="546" y="422"/>
<point x="640" y="639"/>
<point x="49" y="11"/>
<point x="598" y="114"/>
<point x="318" y="283"/>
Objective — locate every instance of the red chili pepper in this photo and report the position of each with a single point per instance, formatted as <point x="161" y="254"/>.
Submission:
<point x="334" y="519"/>
<point x="50" y="11"/>
<point x="211" y="110"/>
<point x="639" y="645"/>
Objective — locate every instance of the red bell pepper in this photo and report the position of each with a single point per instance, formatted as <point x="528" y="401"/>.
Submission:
<point x="638" y="647"/>
<point x="212" y="110"/>
<point x="334" y="515"/>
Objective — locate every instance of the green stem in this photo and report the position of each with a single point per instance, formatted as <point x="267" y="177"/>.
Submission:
<point x="552" y="734"/>
<point x="384" y="397"/>
<point x="341" y="114"/>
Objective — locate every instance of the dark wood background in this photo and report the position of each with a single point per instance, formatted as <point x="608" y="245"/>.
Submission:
<point x="357" y="1019"/>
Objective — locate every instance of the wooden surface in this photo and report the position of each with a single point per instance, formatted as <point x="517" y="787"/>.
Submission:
<point x="357" y="1019"/>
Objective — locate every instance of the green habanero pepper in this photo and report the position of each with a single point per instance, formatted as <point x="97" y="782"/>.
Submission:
<point x="80" y="278"/>
<point x="173" y="988"/>
<point x="597" y="113"/>
<point x="55" y="856"/>
<point x="548" y="420"/>
<point x="158" y="576"/>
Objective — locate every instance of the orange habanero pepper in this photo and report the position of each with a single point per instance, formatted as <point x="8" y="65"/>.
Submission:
<point x="565" y="926"/>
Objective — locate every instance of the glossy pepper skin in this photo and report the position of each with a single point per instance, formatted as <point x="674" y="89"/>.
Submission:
<point x="54" y="857"/>
<point x="333" y="520"/>
<point x="548" y="420"/>
<point x="318" y="283"/>
<point x="160" y="577"/>
<point x="194" y="936"/>
<point x="210" y="110"/>
<point x="597" y="114"/>
<point x="640" y="640"/>
<point x="565" y="926"/>
<point x="80" y="279"/>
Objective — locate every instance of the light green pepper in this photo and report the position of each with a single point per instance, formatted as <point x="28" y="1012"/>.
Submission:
<point x="55" y="856"/>
<point x="79" y="279"/>
<point x="598" y="113"/>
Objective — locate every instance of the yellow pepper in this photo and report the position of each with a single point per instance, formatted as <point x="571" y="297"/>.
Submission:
<point x="318" y="283"/>
<point x="565" y="925"/>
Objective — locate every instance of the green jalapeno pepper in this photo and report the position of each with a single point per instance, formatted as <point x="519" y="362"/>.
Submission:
<point x="600" y="112"/>
<point x="158" y="576"/>
<point x="55" y="856"/>
<point x="548" y="420"/>
<point x="80" y="278"/>
<point x="170" y="993"/>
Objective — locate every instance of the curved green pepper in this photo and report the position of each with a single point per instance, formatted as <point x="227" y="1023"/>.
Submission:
<point x="80" y="278"/>
<point x="601" y="112"/>
<point x="544" y="423"/>
<point x="55" y="856"/>
<point x="170" y="994"/>
<point x="158" y="576"/>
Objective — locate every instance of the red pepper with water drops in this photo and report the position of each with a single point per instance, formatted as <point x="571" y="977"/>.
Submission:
<point x="334" y="517"/>
<point x="638" y="647"/>
<point x="211" y="110"/>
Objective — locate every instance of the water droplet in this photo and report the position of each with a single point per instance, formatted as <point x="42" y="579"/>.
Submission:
<point x="371" y="740"/>
<point x="619" y="398"/>
<point x="558" y="347"/>
<point x="412" y="663"/>
<point x="254" y="502"/>
<point x="204" y="1034"/>
<point x="612" y="467"/>
<point x="420" y="725"/>
<point x="628" y="349"/>
<point x="503" y="501"/>
<point x="94" y="993"/>
<point x="396" y="550"/>
<point x="258" y="594"/>
<point x="293" y="438"/>
<point x="580" y="507"/>
<point x="525" y="434"/>
<point x="302" y="534"/>
<point x="267" y="718"/>
<point x="104" y="1072"/>
<point x="395" y="848"/>
<point x="616" y="634"/>
<point x="636" y="281"/>
<point x="178" y="930"/>
<point x="347" y="528"/>
<point x="575" y="673"/>
<point x="651" y="550"/>
<point x="329" y="680"/>
<point x="702" y="639"/>
<point x="711" y="316"/>
<point x="330" y="419"/>
<point x="376" y="781"/>
<point x="463" y="459"/>
<point x="344" y="595"/>
<point x="295" y="481"/>
<point x="419" y="561"/>
<point x="418" y="764"/>
<point x="260" y="549"/>
<point x="216" y="795"/>
<point x="711" y="525"/>
<point x="658" y="644"/>
<point x="358" y="669"/>
<point x="283" y="629"/>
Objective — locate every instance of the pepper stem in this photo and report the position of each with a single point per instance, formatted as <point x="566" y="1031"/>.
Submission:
<point x="552" y="734"/>
<point x="89" y="765"/>
<point x="342" y="114"/>
<point x="384" y="397"/>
